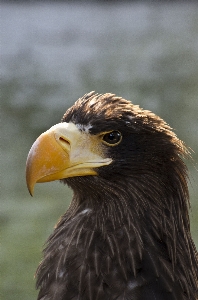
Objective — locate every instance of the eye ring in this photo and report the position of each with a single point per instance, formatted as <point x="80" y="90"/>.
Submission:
<point x="112" y="138"/>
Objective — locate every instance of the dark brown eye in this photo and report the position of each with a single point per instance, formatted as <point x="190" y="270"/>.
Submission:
<point x="112" y="138"/>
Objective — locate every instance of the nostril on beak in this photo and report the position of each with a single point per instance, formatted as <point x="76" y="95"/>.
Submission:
<point x="64" y="142"/>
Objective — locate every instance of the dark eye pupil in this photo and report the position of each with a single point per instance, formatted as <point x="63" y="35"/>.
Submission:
<point x="112" y="137"/>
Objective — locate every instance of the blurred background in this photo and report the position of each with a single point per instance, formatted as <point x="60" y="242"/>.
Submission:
<point x="54" y="52"/>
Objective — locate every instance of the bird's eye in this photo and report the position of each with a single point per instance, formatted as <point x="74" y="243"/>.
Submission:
<point x="112" y="138"/>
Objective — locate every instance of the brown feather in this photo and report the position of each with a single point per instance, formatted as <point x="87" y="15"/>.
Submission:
<point x="126" y="234"/>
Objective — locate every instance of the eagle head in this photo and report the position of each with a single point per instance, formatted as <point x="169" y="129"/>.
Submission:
<point x="126" y="234"/>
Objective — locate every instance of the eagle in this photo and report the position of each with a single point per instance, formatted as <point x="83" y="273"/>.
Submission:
<point x="126" y="234"/>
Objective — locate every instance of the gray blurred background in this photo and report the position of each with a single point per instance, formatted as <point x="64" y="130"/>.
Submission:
<point x="52" y="53"/>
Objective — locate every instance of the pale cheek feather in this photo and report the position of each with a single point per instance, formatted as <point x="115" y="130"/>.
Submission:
<point x="132" y="284"/>
<point x="85" y="211"/>
<point x="61" y="273"/>
<point x="84" y="128"/>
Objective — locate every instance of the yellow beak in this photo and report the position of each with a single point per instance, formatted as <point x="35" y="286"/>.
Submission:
<point x="63" y="151"/>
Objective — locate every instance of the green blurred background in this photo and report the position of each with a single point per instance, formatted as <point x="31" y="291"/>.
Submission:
<point x="53" y="53"/>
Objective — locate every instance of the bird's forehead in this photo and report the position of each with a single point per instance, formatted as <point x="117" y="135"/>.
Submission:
<point x="91" y="122"/>
<point x="95" y="113"/>
<point x="84" y="127"/>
